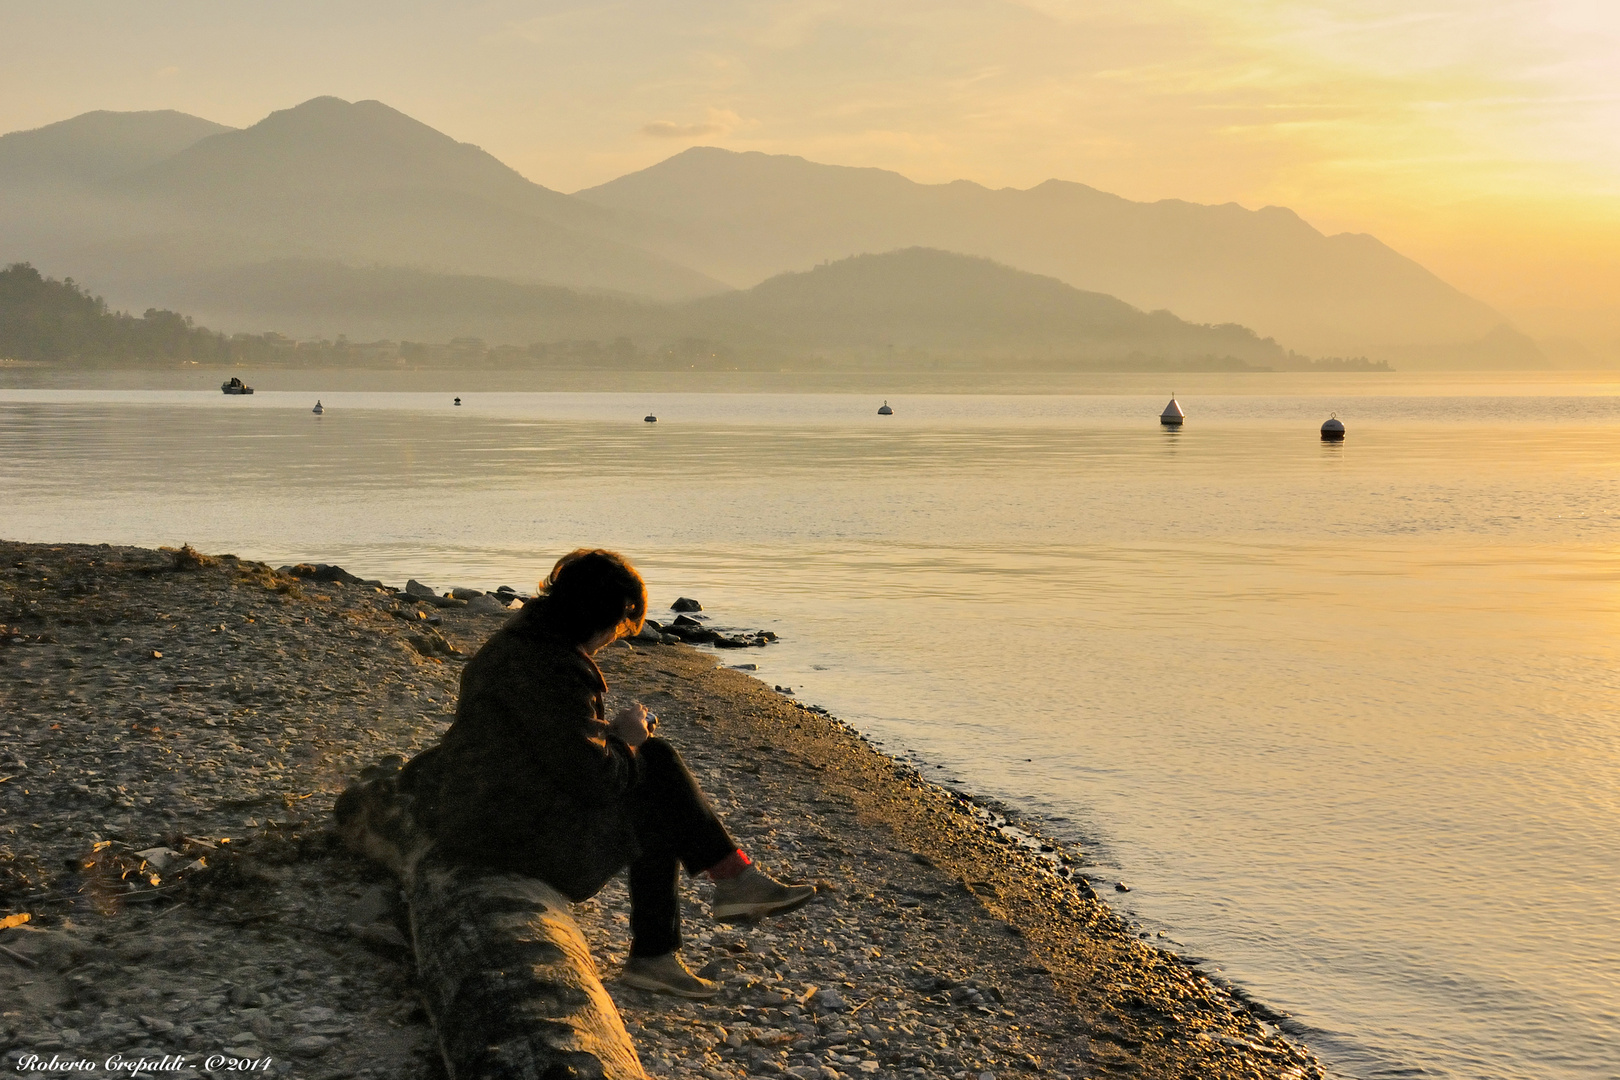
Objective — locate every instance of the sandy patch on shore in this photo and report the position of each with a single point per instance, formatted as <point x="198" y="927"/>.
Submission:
<point x="173" y="732"/>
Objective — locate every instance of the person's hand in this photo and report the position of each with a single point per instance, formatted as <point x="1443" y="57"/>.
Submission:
<point x="630" y="724"/>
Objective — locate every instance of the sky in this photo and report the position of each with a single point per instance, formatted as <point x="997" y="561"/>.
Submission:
<point x="1480" y="137"/>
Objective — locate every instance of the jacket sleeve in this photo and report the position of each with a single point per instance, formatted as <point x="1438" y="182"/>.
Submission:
<point x="567" y="741"/>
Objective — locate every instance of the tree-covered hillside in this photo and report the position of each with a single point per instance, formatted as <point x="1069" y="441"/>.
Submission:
<point x="45" y="319"/>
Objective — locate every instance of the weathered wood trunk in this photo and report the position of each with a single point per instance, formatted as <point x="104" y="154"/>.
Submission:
<point x="511" y="985"/>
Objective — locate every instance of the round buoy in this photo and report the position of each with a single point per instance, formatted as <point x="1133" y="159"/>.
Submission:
<point x="650" y="419"/>
<point x="458" y="401"/>
<point x="1172" y="415"/>
<point x="884" y="410"/>
<point x="1333" y="429"/>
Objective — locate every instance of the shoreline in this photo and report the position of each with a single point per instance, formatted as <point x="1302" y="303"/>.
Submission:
<point x="453" y="381"/>
<point x="210" y="710"/>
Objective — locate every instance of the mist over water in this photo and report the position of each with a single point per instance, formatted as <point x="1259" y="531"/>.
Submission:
<point x="1342" y="715"/>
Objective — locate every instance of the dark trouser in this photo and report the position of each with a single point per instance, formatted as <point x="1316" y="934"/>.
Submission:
<point x="676" y="827"/>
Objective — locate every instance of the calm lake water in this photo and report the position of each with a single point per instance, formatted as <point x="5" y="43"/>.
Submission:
<point x="1344" y="717"/>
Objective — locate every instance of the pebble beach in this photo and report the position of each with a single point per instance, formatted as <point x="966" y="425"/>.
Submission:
<point x="175" y="726"/>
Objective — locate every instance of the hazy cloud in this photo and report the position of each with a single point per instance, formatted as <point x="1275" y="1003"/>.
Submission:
<point x="719" y="122"/>
<point x="663" y="129"/>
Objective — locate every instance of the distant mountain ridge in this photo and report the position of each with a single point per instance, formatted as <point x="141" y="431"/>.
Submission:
<point x="96" y="147"/>
<point x="329" y="179"/>
<point x="742" y="217"/>
<point x="161" y="209"/>
<point x="902" y="310"/>
<point x="325" y="298"/>
<point x="940" y="303"/>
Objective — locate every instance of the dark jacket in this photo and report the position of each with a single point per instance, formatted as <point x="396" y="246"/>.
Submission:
<point x="528" y="778"/>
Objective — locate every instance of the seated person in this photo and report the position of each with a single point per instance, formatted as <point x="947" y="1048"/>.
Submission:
<point x="533" y="778"/>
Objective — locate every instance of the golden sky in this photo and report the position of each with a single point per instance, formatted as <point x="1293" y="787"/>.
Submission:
<point x="1481" y="137"/>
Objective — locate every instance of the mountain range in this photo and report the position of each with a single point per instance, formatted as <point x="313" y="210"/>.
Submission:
<point x="742" y="217"/>
<point x="338" y="217"/>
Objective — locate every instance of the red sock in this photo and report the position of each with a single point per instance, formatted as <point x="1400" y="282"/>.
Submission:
<point x="730" y="866"/>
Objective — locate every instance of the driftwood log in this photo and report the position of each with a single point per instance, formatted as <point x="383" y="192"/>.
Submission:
<point x="509" y="980"/>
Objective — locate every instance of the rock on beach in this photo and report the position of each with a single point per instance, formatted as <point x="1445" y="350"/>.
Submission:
<point x="165" y="823"/>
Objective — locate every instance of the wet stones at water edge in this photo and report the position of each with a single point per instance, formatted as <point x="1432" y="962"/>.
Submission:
<point x="692" y="631"/>
<point x="414" y="591"/>
<point x="326" y="572"/>
<point x="418" y="591"/>
<point x="473" y="599"/>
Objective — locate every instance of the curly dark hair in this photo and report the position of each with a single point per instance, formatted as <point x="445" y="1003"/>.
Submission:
<point x="591" y="590"/>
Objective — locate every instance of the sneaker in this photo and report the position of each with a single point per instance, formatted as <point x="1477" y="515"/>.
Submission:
<point x="754" y="895"/>
<point x="666" y="975"/>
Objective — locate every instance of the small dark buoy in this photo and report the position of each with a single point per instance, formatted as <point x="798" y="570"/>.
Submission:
<point x="1120" y="886"/>
<point x="319" y="408"/>
<point x="884" y="410"/>
<point x="650" y="419"/>
<point x="458" y="401"/>
<point x="1333" y="429"/>
<point x="1172" y="415"/>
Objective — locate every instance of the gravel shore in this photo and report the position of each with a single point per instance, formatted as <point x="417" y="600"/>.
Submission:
<point x="174" y="729"/>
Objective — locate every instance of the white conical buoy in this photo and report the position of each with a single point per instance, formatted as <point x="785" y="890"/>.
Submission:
<point x="884" y="410"/>
<point x="319" y="408"/>
<point x="1333" y="429"/>
<point x="1172" y="415"/>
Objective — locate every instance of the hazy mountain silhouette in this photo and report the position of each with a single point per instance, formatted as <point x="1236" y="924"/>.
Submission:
<point x="99" y="146"/>
<point x="360" y="183"/>
<point x="742" y="217"/>
<point x="946" y="304"/>
<point x="899" y="307"/>
<point x="316" y="299"/>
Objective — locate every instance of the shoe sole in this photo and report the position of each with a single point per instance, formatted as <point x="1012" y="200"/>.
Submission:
<point x="755" y="912"/>
<point x="664" y="988"/>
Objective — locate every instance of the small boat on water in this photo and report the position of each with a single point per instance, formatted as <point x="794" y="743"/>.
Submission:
<point x="1172" y="415"/>
<point x="235" y="386"/>
<point x="884" y="410"/>
<point x="319" y="408"/>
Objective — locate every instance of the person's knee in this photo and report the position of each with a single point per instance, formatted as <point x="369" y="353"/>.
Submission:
<point x="656" y="751"/>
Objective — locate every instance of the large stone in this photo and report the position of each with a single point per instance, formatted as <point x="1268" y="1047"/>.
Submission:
<point x="419" y="592"/>
<point x="309" y="1046"/>
<point x="323" y="572"/>
<point x="486" y="604"/>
